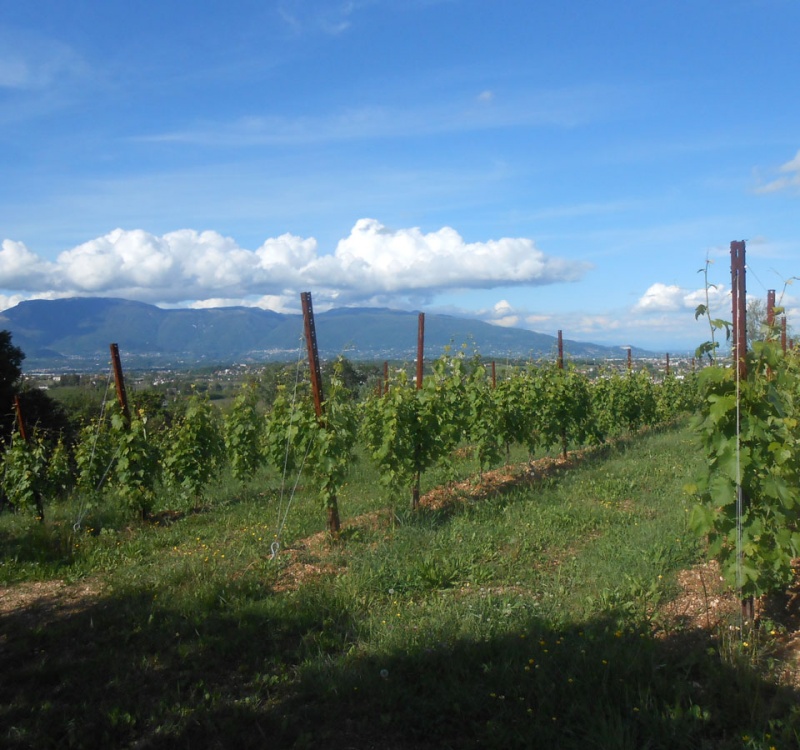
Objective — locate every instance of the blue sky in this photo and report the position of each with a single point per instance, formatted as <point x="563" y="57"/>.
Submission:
<point x="546" y="165"/>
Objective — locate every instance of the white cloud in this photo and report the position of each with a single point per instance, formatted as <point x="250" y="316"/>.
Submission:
<point x="374" y="258"/>
<point x="33" y="62"/>
<point x="661" y="297"/>
<point x="22" y="269"/>
<point x="672" y="298"/>
<point x="791" y="170"/>
<point x="564" y="107"/>
<point x="373" y="262"/>
<point x="325" y="17"/>
<point x="667" y="323"/>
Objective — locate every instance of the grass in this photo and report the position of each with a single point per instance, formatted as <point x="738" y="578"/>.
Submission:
<point x="530" y="617"/>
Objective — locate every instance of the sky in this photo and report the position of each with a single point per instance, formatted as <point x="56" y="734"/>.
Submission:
<point x="565" y="166"/>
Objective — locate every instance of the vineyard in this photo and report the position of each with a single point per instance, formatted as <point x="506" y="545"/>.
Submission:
<point x="470" y="558"/>
<point x="150" y="459"/>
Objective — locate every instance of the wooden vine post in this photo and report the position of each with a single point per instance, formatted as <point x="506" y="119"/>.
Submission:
<point x="334" y="524"/>
<point x="415" y="491"/>
<point x="739" y="317"/>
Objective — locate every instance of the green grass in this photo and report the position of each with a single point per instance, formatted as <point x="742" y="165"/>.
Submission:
<point x="529" y="618"/>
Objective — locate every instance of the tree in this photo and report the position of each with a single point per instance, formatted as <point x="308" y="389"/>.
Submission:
<point x="756" y="320"/>
<point x="10" y="371"/>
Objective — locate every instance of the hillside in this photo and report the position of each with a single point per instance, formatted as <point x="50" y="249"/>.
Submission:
<point x="76" y="332"/>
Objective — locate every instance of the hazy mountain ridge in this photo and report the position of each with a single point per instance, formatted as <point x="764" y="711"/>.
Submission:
<point x="76" y="332"/>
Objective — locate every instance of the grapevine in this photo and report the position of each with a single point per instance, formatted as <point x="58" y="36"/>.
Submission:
<point x="137" y="466"/>
<point x="751" y="442"/>
<point x="243" y="425"/>
<point x="194" y="449"/>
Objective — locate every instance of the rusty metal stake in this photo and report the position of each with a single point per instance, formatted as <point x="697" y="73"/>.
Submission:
<point x="119" y="382"/>
<point x="739" y="306"/>
<point x="23" y="434"/>
<point x="770" y="310"/>
<point x="739" y="310"/>
<point x="560" y="351"/>
<point x="415" y="490"/>
<point x="313" y="353"/>
<point x="420" y="348"/>
<point x="334" y="523"/>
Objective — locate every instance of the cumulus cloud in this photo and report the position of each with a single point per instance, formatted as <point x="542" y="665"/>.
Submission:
<point x="22" y="269"/>
<point x="375" y="258"/>
<point x="503" y="314"/>
<point x="661" y="297"/>
<point x="663" y="317"/>
<point x="672" y="298"/>
<point x="203" y="268"/>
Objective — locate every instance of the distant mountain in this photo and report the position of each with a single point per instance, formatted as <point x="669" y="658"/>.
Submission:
<point x="76" y="333"/>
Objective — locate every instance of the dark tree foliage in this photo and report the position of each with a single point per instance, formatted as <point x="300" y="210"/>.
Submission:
<point x="10" y="370"/>
<point x="41" y="413"/>
<point x="44" y="415"/>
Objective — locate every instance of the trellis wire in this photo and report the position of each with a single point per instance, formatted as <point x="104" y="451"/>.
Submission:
<point x="84" y="507"/>
<point x="281" y="522"/>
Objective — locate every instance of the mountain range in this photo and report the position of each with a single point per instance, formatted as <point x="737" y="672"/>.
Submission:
<point x="75" y="333"/>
